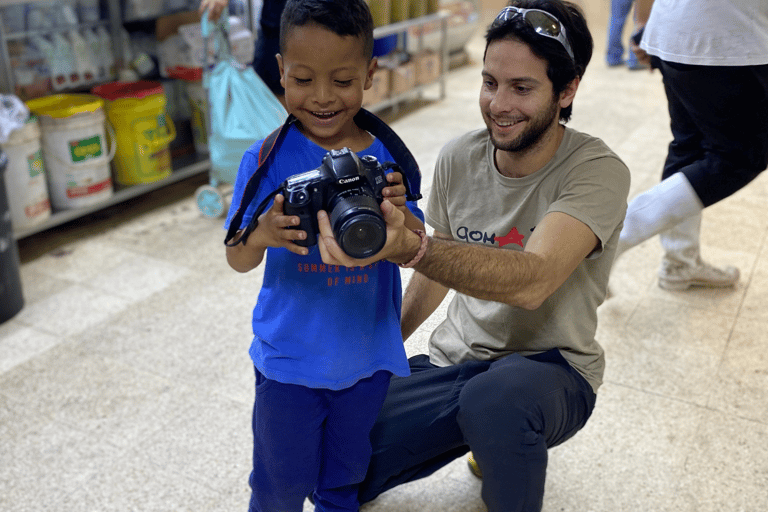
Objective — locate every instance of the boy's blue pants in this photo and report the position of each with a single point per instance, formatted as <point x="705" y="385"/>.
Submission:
<point x="312" y="440"/>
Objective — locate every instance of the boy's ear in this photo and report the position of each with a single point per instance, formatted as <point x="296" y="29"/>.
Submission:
<point x="280" y="68"/>
<point x="372" y="67"/>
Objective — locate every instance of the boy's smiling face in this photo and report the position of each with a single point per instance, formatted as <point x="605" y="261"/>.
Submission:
<point x="324" y="76"/>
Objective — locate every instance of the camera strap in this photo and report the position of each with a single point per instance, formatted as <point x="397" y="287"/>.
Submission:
<point x="365" y="120"/>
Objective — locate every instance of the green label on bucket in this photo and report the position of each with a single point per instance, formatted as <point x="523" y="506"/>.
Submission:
<point x="35" y="162"/>
<point x="157" y="132"/>
<point x="85" y="149"/>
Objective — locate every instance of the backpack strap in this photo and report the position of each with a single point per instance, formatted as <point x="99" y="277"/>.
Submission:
<point x="271" y="142"/>
<point x="396" y="147"/>
<point x="365" y="120"/>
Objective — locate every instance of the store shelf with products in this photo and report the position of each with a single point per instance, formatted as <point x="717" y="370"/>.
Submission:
<point x="20" y="31"/>
<point x="388" y="93"/>
<point x="183" y="167"/>
<point x="423" y="35"/>
<point x="39" y="37"/>
<point x="426" y="47"/>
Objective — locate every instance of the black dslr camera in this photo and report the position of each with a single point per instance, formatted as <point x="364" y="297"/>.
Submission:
<point x="350" y="189"/>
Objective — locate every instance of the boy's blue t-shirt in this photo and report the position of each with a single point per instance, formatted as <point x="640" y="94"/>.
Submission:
<point x="318" y="325"/>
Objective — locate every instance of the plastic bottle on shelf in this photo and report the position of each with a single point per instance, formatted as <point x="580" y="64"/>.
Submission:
<point x="127" y="73"/>
<point x="89" y="11"/>
<point x="85" y="61"/>
<point x="59" y="72"/>
<point x="65" y="58"/>
<point x="92" y="40"/>
<point x="127" y="46"/>
<point x="13" y="17"/>
<point x="40" y="16"/>
<point x="32" y="75"/>
<point x="106" y="54"/>
<point x="67" y="15"/>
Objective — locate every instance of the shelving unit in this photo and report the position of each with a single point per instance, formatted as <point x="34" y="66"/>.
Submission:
<point x="400" y="29"/>
<point x="184" y="167"/>
<point x="190" y="165"/>
<point x="7" y="82"/>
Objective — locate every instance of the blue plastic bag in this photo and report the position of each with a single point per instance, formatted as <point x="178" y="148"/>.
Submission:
<point x="242" y="108"/>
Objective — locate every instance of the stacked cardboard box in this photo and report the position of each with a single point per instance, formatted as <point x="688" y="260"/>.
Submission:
<point x="379" y="91"/>
<point x="427" y="67"/>
<point x="385" y="12"/>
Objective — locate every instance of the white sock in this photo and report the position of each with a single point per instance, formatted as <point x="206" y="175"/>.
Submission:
<point x="681" y="242"/>
<point x="658" y="209"/>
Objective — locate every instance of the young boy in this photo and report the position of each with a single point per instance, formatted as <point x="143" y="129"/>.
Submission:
<point x="326" y="338"/>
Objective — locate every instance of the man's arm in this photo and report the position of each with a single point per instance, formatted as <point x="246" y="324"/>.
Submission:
<point x="421" y="298"/>
<point x="642" y="12"/>
<point x="518" y="278"/>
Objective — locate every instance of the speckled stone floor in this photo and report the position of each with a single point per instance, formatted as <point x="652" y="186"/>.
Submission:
<point x="125" y="382"/>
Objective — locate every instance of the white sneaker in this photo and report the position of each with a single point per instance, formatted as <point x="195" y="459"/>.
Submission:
<point x="678" y="277"/>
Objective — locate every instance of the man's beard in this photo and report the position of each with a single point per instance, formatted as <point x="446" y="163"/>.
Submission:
<point x="537" y="127"/>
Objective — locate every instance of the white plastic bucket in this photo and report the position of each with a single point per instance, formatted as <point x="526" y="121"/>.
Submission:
<point x="75" y="149"/>
<point x="198" y="104"/>
<point x="25" y="177"/>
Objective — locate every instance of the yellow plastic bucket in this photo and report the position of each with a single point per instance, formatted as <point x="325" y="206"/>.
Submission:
<point x="74" y="149"/>
<point x="143" y="130"/>
<point x="198" y="106"/>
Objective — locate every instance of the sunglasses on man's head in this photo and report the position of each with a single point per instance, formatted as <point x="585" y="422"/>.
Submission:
<point x="542" y="22"/>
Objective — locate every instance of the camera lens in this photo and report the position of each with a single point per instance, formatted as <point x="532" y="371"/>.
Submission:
<point x="358" y="226"/>
<point x="363" y="236"/>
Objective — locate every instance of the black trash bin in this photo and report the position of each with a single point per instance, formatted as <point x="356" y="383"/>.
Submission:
<point x="11" y="298"/>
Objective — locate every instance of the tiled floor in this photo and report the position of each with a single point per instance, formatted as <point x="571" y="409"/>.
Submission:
<point x="125" y="382"/>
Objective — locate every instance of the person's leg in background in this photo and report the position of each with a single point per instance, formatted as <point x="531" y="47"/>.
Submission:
<point x="730" y="160"/>
<point x="512" y="414"/>
<point x="268" y="45"/>
<point x="719" y="121"/>
<point x="614" y="55"/>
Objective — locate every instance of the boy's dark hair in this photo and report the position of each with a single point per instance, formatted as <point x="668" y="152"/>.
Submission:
<point x="561" y="69"/>
<point x="342" y="17"/>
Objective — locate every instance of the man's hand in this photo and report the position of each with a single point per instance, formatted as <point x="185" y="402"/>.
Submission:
<point x="641" y="15"/>
<point x="402" y="243"/>
<point x="214" y="7"/>
<point x="642" y="57"/>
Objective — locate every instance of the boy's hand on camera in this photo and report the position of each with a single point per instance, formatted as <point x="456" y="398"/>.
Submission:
<point x="274" y="228"/>
<point x="395" y="192"/>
